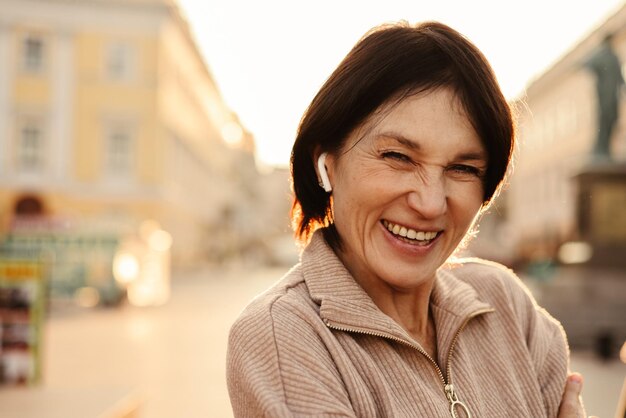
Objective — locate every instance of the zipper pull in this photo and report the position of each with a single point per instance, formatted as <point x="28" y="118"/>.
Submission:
<point x="454" y="403"/>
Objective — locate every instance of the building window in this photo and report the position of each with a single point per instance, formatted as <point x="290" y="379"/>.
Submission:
<point x="30" y="155"/>
<point x="33" y="53"/>
<point x="119" y="153"/>
<point x="119" y="61"/>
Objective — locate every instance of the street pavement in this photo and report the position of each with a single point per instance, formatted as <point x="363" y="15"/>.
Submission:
<point x="173" y="356"/>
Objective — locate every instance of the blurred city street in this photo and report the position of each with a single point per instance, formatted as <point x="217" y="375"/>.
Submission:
<point x="173" y="357"/>
<point x="141" y="137"/>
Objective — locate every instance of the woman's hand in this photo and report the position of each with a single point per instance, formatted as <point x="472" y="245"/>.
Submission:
<point x="572" y="404"/>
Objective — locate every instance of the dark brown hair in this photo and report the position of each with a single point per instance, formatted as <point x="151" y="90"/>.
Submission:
<point x="394" y="61"/>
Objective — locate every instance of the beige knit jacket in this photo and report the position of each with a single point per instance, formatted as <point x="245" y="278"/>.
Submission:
<point x="316" y="345"/>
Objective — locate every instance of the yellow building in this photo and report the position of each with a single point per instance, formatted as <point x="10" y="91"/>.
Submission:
<point x="108" y="113"/>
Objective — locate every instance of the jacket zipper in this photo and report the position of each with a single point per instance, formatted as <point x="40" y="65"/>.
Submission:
<point x="447" y="385"/>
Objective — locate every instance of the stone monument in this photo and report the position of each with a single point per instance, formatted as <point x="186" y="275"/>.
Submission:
<point x="606" y="67"/>
<point x="601" y="200"/>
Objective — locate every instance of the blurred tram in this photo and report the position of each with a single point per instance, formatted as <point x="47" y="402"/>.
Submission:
<point x="93" y="265"/>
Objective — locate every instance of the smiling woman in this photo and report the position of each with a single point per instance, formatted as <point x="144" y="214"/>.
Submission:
<point x="399" y="153"/>
<point x="416" y="181"/>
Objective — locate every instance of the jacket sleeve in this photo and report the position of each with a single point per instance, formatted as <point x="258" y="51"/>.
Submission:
<point x="277" y="366"/>
<point x="547" y="346"/>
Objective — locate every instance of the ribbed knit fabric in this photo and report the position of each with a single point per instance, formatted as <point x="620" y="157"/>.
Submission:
<point x="316" y="345"/>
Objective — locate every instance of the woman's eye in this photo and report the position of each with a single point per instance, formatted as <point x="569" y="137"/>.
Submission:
<point x="395" y="156"/>
<point x="466" y="169"/>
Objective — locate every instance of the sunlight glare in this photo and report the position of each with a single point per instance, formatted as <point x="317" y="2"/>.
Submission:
<point x="125" y="267"/>
<point x="575" y="252"/>
<point x="232" y="133"/>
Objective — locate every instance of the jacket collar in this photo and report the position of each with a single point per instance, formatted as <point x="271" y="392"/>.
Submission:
<point x="344" y="304"/>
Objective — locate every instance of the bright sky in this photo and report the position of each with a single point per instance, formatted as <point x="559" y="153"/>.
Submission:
<point x="270" y="57"/>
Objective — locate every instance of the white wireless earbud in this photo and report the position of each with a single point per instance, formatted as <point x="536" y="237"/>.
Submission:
<point x="321" y="167"/>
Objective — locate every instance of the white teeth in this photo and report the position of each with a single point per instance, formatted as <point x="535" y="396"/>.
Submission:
<point x="409" y="233"/>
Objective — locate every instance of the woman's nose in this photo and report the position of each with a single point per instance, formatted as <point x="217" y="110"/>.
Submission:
<point x="429" y="197"/>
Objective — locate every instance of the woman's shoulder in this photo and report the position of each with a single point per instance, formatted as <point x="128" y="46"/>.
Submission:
<point x="287" y="299"/>
<point x="284" y="289"/>
<point x="492" y="280"/>
<point x="487" y="272"/>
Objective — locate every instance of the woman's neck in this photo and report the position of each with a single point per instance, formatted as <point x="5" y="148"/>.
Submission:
<point x="409" y="307"/>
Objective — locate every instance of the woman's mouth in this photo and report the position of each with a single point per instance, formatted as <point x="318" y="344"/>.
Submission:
<point x="408" y="235"/>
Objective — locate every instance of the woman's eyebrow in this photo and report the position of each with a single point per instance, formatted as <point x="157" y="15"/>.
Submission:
<point x="399" y="138"/>
<point x="479" y="156"/>
<point x="472" y="156"/>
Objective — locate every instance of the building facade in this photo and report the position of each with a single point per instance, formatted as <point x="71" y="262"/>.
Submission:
<point x="557" y="131"/>
<point x="108" y="113"/>
<point x="557" y="127"/>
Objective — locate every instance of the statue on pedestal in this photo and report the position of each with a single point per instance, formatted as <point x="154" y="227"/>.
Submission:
<point x="607" y="69"/>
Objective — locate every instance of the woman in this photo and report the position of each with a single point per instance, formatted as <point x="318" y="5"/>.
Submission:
<point x="405" y="145"/>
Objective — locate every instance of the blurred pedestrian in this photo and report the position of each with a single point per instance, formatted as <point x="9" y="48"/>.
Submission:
<point x="404" y="147"/>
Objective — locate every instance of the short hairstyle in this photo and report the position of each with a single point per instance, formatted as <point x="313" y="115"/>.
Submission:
<point x="393" y="61"/>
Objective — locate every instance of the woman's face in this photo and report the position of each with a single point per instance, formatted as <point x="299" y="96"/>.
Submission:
<point x="407" y="186"/>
